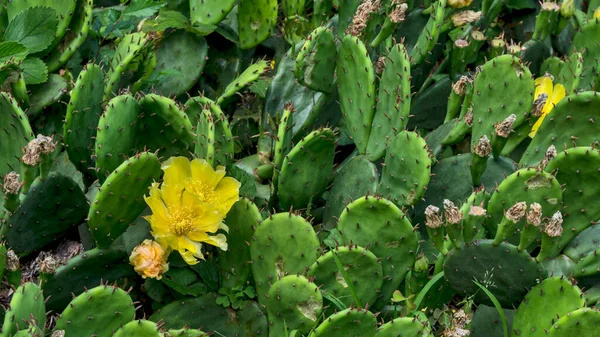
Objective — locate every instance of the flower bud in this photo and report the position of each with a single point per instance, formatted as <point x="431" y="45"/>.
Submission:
<point x="432" y="217"/>
<point x="462" y="18"/>
<point x="11" y="183"/>
<point x="12" y="261"/>
<point x="506" y="127"/>
<point x="567" y="8"/>
<point x="483" y="147"/>
<point x="517" y="211"/>
<point x="534" y="215"/>
<point x="36" y="148"/>
<point x="149" y="259"/>
<point x="452" y="213"/>
<point x="554" y="228"/>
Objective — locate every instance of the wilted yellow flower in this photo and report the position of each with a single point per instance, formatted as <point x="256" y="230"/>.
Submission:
<point x="149" y="259"/>
<point x="459" y="3"/>
<point x="544" y="86"/>
<point x="199" y="178"/>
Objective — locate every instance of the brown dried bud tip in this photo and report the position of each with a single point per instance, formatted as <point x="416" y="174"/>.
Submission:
<point x="554" y="228"/>
<point x="12" y="183"/>
<point x="550" y="154"/>
<point x="469" y="117"/>
<point x="360" y="19"/>
<point x="452" y="213"/>
<point x="289" y="106"/>
<point x="534" y="215"/>
<point x="37" y="147"/>
<point x="506" y="127"/>
<point x="380" y="64"/>
<point x="483" y="147"/>
<point x="461" y="319"/>
<point x="433" y="218"/>
<point x="48" y="265"/>
<point x="460" y="43"/>
<point x="12" y="261"/>
<point x="538" y="104"/>
<point x="550" y="6"/>
<point x="464" y="17"/>
<point x="460" y="86"/>
<point x="58" y="333"/>
<point x="477" y="211"/>
<point x="398" y="14"/>
<point x="516" y="212"/>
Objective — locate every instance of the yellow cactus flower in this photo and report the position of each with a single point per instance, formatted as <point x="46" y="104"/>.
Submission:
<point x="149" y="259"/>
<point x="181" y="221"/>
<point x="544" y="85"/>
<point x="597" y="13"/>
<point x="459" y="3"/>
<point x="199" y="178"/>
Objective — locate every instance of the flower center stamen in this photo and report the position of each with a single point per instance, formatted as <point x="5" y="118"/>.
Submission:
<point x="181" y="220"/>
<point x="200" y="189"/>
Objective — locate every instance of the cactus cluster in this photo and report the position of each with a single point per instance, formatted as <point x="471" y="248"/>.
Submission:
<point x="297" y="168"/>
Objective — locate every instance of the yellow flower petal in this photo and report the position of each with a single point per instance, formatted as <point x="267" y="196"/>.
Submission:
<point x="558" y="94"/>
<point x="228" y="193"/>
<point x="202" y="171"/>
<point x="543" y="85"/>
<point x="177" y="172"/>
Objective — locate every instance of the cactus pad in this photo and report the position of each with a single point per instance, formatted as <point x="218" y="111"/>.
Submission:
<point x="581" y="322"/>
<point x="210" y="12"/>
<point x="256" y="21"/>
<point x="26" y="303"/>
<point x="405" y="327"/>
<point x="315" y="63"/>
<point x="139" y="328"/>
<point x="349" y="322"/>
<point x="16" y="133"/>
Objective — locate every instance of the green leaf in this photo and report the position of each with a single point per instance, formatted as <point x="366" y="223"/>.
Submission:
<point x="11" y="49"/>
<point x="143" y="8"/>
<point x="34" y="70"/>
<point x="209" y="273"/>
<point x="259" y="88"/>
<point x="184" y="281"/>
<point x="248" y="187"/>
<point x="34" y="28"/>
<point x="201" y="29"/>
<point x="166" y="19"/>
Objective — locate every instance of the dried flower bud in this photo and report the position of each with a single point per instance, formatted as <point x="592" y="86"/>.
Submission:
<point x="461" y="18"/>
<point x="363" y="13"/>
<point x="483" y="147"/>
<point x="48" y="265"/>
<point x="534" y="215"/>
<point x="538" y="104"/>
<point x="289" y="106"/>
<point x="461" y="318"/>
<point x="460" y="43"/>
<point x="398" y="14"/>
<point x="549" y="155"/>
<point x="506" y="127"/>
<point x="469" y="117"/>
<point x="477" y="211"/>
<point x="58" y="333"/>
<point x="459" y="3"/>
<point x="516" y="212"/>
<point x="12" y="261"/>
<point x="514" y="49"/>
<point x="149" y="259"/>
<point x="550" y="6"/>
<point x="11" y="183"/>
<point x="380" y="64"/>
<point x="36" y="148"/>
<point x="452" y="213"/>
<point x="433" y="219"/>
<point x="460" y="87"/>
<point x="554" y="228"/>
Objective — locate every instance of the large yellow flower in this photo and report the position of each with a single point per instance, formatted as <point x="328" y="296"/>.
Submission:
<point x="199" y="178"/>
<point x="544" y="85"/>
<point x="181" y="221"/>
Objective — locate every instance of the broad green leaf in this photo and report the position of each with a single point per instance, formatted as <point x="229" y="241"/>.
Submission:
<point x="34" y="70"/>
<point x="34" y="28"/>
<point x="171" y="19"/>
<point x="11" y="49"/>
<point x="143" y="8"/>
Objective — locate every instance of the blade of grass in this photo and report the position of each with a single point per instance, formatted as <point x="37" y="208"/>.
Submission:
<point x="426" y="289"/>
<point x="496" y="304"/>
<point x="346" y="279"/>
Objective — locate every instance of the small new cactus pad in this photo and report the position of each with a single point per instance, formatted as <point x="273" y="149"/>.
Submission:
<point x="294" y="303"/>
<point x="586" y="40"/>
<point x="405" y="327"/>
<point x="130" y="47"/>
<point x="380" y="226"/>
<point x="393" y="102"/>
<point x="570" y="123"/>
<point x="315" y="63"/>
<point x="273" y="250"/>
<point x="139" y="328"/>
<point x="355" y="179"/>
<point x="283" y="89"/>
<point x="183" y="53"/>
<point x="451" y="179"/>
<point x="64" y="13"/>
<point x="582" y="322"/>
<point x="430" y="34"/>
<point x="570" y="74"/>
<point x="407" y="169"/>
<point x="512" y="272"/>
<point x="578" y="170"/>
<point x="16" y="133"/>
<point x="283" y="141"/>
<point x="251" y="74"/>
<point x="120" y="200"/>
<point x="32" y="331"/>
<point x="27" y="303"/>
<point x="474" y="212"/>
<point x="297" y="183"/>
<point x="40" y="220"/>
<point x="503" y="87"/>
<point x="544" y="304"/>
<point x="356" y="89"/>
<point x="79" y="29"/>
<point x="210" y="12"/>
<point x="83" y="114"/>
<point x="528" y="185"/>
<point x="203" y="313"/>
<point x="256" y="21"/>
<point x="116" y="135"/>
<point x="361" y="268"/>
<point x="185" y="333"/>
<point x="163" y="126"/>
<point x="234" y="263"/>
<point x="348" y="322"/>
<point x="99" y="311"/>
<point x="214" y="140"/>
<point x="86" y="271"/>
<point x="586" y="242"/>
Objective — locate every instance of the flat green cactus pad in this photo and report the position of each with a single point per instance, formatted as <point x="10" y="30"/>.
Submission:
<point x="26" y="303"/>
<point x="582" y="322"/>
<point x="349" y="322"/>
